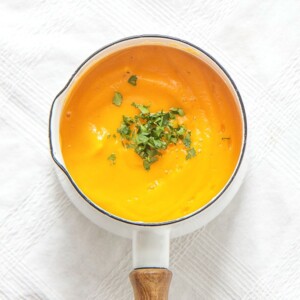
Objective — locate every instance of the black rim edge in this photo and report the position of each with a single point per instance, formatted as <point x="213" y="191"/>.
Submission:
<point x="158" y="223"/>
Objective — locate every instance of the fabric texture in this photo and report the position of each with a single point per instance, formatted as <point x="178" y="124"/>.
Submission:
<point x="48" y="250"/>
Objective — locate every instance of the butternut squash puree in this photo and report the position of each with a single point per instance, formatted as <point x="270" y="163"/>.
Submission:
<point x="174" y="187"/>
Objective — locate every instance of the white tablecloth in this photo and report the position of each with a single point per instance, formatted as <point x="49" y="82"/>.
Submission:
<point x="48" y="250"/>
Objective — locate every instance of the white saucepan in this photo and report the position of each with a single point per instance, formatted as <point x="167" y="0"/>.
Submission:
<point x="150" y="277"/>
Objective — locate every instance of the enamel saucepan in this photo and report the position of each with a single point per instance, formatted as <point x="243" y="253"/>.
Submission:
<point x="150" y="241"/>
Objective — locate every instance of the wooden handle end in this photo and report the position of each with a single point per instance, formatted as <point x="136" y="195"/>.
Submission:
<point x="150" y="283"/>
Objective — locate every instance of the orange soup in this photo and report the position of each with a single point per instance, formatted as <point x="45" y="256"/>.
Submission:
<point x="185" y="175"/>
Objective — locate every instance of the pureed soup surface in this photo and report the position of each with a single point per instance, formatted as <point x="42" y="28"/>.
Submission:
<point x="174" y="186"/>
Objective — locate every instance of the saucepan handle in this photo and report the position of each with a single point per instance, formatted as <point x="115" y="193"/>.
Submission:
<point x="151" y="283"/>
<point x="151" y="278"/>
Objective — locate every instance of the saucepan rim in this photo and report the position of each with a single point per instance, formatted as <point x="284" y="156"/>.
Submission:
<point x="214" y="199"/>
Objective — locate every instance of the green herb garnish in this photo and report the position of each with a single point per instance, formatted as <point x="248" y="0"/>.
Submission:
<point x="132" y="80"/>
<point x="177" y="111"/>
<point x="112" y="158"/>
<point x="190" y="153"/>
<point x="143" y="108"/>
<point x="151" y="133"/>
<point x="117" y="99"/>
<point x="187" y="140"/>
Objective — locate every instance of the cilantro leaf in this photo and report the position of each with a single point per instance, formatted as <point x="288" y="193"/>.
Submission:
<point x="132" y="80"/>
<point x="191" y="153"/>
<point x="143" y="108"/>
<point x="112" y="158"/>
<point x="117" y="99"/>
<point x="181" y="130"/>
<point x="124" y="130"/>
<point x="187" y="140"/>
<point x="146" y="164"/>
<point x="177" y="111"/>
<point x="142" y="139"/>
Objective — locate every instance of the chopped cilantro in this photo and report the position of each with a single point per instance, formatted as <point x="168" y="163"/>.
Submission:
<point x="146" y="164"/>
<point x="151" y="133"/>
<point x="132" y="80"/>
<point x="190" y="153"/>
<point x="112" y="158"/>
<point x="181" y="130"/>
<point x="143" y="108"/>
<point x="187" y="140"/>
<point x="117" y="99"/>
<point x="177" y="111"/>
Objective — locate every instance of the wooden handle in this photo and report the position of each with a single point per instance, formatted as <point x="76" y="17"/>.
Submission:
<point x="150" y="283"/>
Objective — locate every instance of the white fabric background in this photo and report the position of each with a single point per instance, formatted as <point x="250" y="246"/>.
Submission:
<point x="48" y="250"/>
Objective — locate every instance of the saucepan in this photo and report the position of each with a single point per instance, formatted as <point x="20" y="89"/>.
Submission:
<point x="150" y="277"/>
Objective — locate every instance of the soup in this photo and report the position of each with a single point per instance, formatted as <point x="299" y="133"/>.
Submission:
<point x="150" y="133"/>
